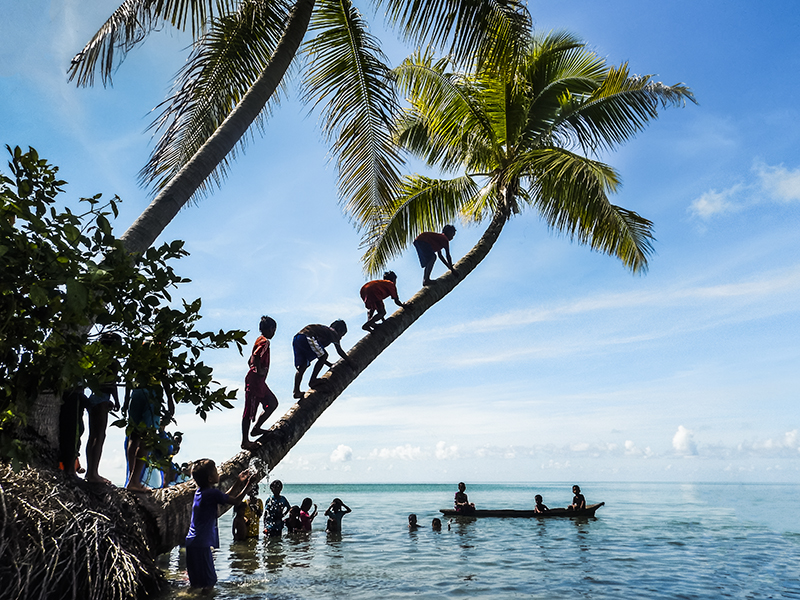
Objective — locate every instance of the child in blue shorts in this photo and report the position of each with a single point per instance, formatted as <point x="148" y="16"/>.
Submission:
<point x="203" y="531"/>
<point x="309" y="345"/>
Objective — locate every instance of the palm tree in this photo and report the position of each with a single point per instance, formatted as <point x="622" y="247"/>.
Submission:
<point x="520" y="131"/>
<point x="243" y="52"/>
<point x="519" y="135"/>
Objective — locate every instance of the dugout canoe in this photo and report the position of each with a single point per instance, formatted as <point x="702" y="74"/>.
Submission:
<point x="526" y="514"/>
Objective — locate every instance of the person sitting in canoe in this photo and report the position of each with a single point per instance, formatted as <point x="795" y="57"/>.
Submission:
<point x="539" y="508"/>
<point x="462" y="503"/>
<point x="578" y="501"/>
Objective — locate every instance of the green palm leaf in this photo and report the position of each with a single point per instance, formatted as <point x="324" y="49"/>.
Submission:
<point x="484" y="33"/>
<point x="422" y="204"/>
<point x="130" y="24"/>
<point x="571" y="193"/>
<point x="222" y="67"/>
<point x="348" y="72"/>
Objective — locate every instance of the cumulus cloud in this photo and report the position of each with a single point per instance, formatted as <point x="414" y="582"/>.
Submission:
<point x="772" y="184"/>
<point x="714" y="203"/>
<point x="342" y="454"/>
<point x="632" y="449"/>
<point x="779" y="183"/>
<point x="683" y="442"/>
<point x="444" y="452"/>
<point x="407" y="452"/>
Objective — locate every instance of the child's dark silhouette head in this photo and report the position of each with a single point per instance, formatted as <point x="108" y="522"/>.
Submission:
<point x="538" y="498"/>
<point x="239" y="509"/>
<point x="267" y="326"/>
<point x="576" y="489"/>
<point x="462" y="486"/>
<point x="449" y="231"/>
<point x="436" y="524"/>
<point x="276" y="486"/>
<point x="412" y="520"/>
<point x="295" y="511"/>
<point x="390" y="276"/>
<point x="337" y="503"/>
<point x="203" y="472"/>
<point x="306" y="504"/>
<point x="339" y="327"/>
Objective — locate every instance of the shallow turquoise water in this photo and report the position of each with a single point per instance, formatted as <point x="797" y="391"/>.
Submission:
<point x="649" y="541"/>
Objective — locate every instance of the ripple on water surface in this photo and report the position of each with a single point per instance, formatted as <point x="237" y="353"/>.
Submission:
<point x="637" y="547"/>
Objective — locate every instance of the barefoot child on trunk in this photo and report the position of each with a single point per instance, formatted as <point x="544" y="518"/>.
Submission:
<point x="256" y="392"/>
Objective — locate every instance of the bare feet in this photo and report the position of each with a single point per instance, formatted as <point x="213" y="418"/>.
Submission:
<point x="139" y="489"/>
<point x="257" y="432"/>
<point x="297" y="394"/>
<point x="250" y="446"/>
<point x="366" y="327"/>
<point x="427" y="282"/>
<point x="97" y="479"/>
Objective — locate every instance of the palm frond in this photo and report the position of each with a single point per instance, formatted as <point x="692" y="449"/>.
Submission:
<point x="130" y="24"/>
<point x="348" y="70"/>
<point x="482" y="33"/>
<point x="222" y="67"/>
<point x="618" y="109"/>
<point x="422" y="204"/>
<point x="571" y="193"/>
<point x="458" y="130"/>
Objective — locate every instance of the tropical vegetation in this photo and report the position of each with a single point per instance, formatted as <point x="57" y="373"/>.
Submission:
<point x="67" y="280"/>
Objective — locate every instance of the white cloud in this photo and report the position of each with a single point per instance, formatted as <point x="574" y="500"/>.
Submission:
<point x="407" y="452"/>
<point x="342" y="454"/>
<point x="444" y="452"/>
<point x="779" y="183"/>
<point x="773" y="184"/>
<point x="714" y="203"/>
<point x="683" y="442"/>
<point x="632" y="449"/>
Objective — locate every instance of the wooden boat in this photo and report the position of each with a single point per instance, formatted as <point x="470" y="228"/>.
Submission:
<point x="526" y="514"/>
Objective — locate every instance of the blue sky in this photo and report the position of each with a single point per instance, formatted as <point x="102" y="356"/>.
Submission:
<point x="550" y="362"/>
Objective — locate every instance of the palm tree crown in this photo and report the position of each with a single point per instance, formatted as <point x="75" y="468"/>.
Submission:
<point x="524" y="133"/>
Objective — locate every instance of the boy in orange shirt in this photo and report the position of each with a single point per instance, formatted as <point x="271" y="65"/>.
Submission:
<point x="373" y="293"/>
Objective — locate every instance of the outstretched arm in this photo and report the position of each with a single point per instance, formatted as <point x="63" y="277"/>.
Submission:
<point x="237" y="490"/>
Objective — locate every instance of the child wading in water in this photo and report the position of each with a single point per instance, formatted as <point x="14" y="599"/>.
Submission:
<point x="307" y="518"/>
<point x="275" y="510"/>
<point x="256" y="392"/>
<point x="335" y="512"/>
<point x="203" y="532"/>
<point x="373" y="294"/>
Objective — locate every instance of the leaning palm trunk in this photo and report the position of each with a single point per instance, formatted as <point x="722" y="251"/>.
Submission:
<point x="144" y="231"/>
<point x="170" y="510"/>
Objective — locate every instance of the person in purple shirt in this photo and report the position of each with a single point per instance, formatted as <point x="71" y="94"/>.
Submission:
<point x="203" y="531"/>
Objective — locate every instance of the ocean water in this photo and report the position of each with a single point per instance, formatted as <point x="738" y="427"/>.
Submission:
<point x="648" y="541"/>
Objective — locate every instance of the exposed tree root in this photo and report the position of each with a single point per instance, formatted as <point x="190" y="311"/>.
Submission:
<point x="61" y="537"/>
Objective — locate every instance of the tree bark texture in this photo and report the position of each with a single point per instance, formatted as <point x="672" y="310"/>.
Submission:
<point x="155" y="218"/>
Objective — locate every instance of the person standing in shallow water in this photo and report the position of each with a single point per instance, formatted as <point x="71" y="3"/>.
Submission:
<point x="373" y="294"/>
<point x="256" y="392"/>
<point x="429" y="245"/>
<point x="203" y="530"/>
